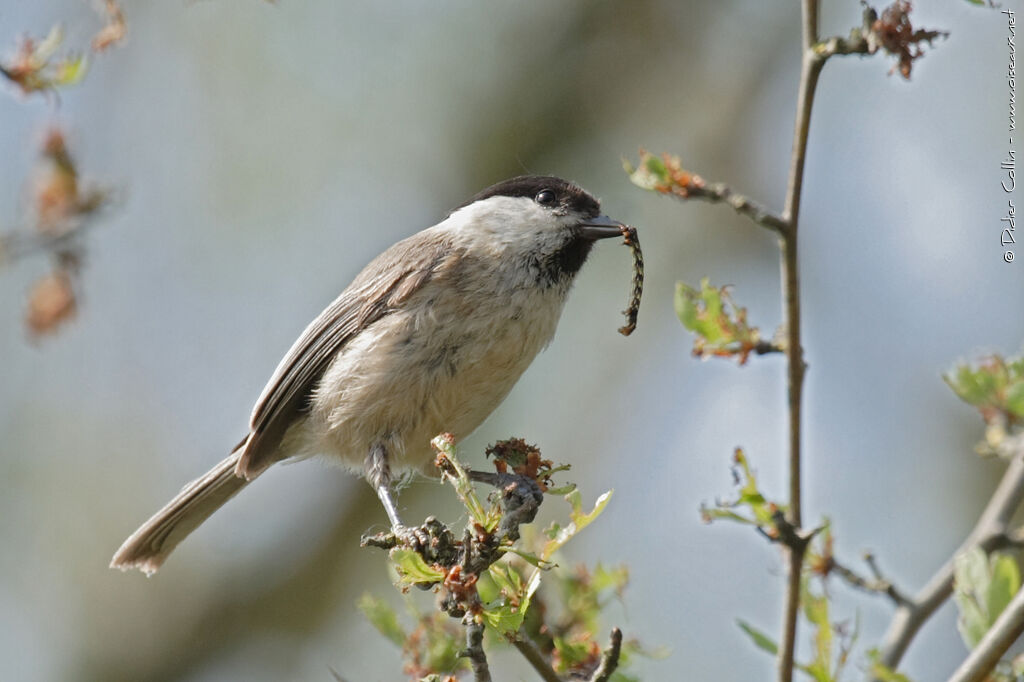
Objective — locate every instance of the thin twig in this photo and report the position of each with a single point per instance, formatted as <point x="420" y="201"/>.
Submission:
<point x="878" y="585"/>
<point x="1003" y="633"/>
<point x="609" y="659"/>
<point x="991" y="532"/>
<point x="810" y="69"/>
<point x="474" y="650"/>
<point x="535" y="658"/>
<point x="720" y="193"/>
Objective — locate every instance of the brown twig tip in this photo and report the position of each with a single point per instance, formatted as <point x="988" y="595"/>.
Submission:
<point x="609" y="658"/>
<point x="891" y="31"/>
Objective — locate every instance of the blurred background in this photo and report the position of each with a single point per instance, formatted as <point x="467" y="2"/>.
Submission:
<point x="263" y="153"/>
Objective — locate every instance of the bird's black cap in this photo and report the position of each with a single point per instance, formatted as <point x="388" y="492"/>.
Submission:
<point x="569" y="195"/>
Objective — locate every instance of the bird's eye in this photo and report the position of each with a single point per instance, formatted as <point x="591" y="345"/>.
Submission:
<point x="545" y="197"/>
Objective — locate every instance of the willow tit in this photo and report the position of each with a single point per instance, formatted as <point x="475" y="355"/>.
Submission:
<point x="429" y="337"/>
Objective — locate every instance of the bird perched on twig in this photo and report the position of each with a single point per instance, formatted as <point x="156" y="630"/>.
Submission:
<point x="429" y="337"/>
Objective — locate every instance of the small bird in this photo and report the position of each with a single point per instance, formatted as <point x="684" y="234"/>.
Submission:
<point x="430" y="337"/>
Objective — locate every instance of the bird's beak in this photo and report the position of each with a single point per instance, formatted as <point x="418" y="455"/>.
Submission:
<point x="601" y="227"/>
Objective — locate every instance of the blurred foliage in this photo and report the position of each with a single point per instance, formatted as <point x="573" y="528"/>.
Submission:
<point x="430" y="648"/>
<point x="61" y="206"/>
<point x="663" y="174"/>
<point x="35" y="66"/>
<point x="994" y="385"/>
<point x="114" y="30"/>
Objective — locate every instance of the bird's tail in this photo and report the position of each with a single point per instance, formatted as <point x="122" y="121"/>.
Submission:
<point x="148" y="547"/>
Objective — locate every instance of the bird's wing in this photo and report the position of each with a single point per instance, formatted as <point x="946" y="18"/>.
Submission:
<point x="388" y="281"/>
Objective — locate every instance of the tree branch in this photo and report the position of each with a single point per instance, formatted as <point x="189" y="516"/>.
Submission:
<point x="878" y="584"/>
<point x="609" y="659"/>
<point x="535" y="658"/>
<point x="810" y="69"/>
<point x="991" y="532"/>
<point x="474" y="650"/>
<point x="721" y="193"/>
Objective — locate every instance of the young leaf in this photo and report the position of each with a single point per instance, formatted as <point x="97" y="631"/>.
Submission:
<point x="721" y="327"/>
<point x="763" y="513"/>
<point x="760" y="639"/>
<point x="580" y="521"/>
<point x="1004" y="584"/>
<point x="994" y="385"/>
<point x="982" y="587"/>
<point x="382" y="617"/>
<point x="664" y="174"/>
<point x="881" y="671"/>
<point x="412" y="568"/>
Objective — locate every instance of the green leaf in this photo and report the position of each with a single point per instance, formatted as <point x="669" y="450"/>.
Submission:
<point x="486" y="517"/>
<point x="487" y="589"/>
<point x="817" y="671"/>
<point x="504" y="618"/>
<point x="994" y="385"/>
<point x="506" y="599"/>
<point x="720" y="326"/>
<point x="816" y="610"/>
<point x="530" y="558"/>
<point x="982" y="587"/>
<point x="69" y="71"/>
<point x="571" y="653"/>
<point x="613" y="579"/>
<point x="1004" y="584"/>
<point x="1015" y="399"/>
<point x="579" y="521"/>
<point x="562" y="490"/>
<point x="761" y="640"/>
<point x="970" y="579"/>
<point x="412" y="568"/>
<point x="382" y="617"/>
<point x="686" y="306"/>
<point x="882" y="672"/>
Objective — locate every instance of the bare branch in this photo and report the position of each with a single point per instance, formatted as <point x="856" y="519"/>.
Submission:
<point x="878" y="584"/>
<point x="809" y="71"/>
<point x="609" y="659"/>
<point x="474" y="650"/>
<point x="535" y="658"/>
<point x="720" y="193"/>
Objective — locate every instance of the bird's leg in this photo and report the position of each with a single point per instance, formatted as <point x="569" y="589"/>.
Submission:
<point x="378" y="473"/>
